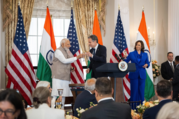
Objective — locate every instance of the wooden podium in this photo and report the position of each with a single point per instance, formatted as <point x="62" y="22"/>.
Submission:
<point x="112" y="70"/>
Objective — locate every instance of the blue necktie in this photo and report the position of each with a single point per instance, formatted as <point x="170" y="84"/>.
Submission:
<point x="93" y="51"/>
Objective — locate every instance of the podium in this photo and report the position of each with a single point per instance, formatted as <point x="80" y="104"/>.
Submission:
<point x="112" y="70"/>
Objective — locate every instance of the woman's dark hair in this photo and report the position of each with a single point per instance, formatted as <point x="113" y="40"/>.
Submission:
<point x="142" y="45"/>
<point x="15" y="99"/>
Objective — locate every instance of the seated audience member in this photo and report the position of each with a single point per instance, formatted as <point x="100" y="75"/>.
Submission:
<point x="41" y="102"/>
<point x="11" y="106"/>
<point x="164" y="94"/>
<point x="47" y="84"/>
<point x="169" y="111"/>
<point x="175" y="81"/>
<point x="107" y="108"/>
<point x="84" y="98"/>
<point x="44" y="84"/>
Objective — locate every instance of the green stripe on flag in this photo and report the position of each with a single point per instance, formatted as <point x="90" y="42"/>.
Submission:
<point x="43" y="71"/>
<point x="88" y="75"/>
<point x="149" y="88"/>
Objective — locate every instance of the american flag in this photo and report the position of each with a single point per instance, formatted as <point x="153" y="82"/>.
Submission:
<point x="19" y="69"/>
<point x="120" y="47"/>
<point x="77" y="76"/>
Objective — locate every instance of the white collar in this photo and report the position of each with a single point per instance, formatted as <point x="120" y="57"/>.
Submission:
<point x="105" y="99"/>
<point x="96" y="47"/>
<point x="43" y="105"/>
<point x="89" y="92"/>
<point x="170" y="62"/>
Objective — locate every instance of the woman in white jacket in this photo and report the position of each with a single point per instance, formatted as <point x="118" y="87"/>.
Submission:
<point x="42" y="103"/>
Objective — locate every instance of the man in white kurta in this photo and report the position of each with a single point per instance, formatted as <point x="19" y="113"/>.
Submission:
<point x="61" y="68"/>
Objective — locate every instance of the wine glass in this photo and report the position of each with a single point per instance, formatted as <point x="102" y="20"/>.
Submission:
<point x="59" y="104"/>
<point x="60" y="92"/>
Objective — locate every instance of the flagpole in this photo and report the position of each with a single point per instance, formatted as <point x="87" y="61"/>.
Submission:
<point x="142" y="8"/>
<point x="118" y="7"/>
<point x="71" y="4"/>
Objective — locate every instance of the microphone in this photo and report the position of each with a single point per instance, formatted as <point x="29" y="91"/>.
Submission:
<point x="117" y="57"/>
<point x="122" y="58"/>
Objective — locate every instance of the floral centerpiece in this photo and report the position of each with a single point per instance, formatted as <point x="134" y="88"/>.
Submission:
<point x="141" y="108"/>
<point x="155" y="69"/>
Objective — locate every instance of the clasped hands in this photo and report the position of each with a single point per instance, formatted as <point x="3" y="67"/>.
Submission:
<point x="84" y="54"/>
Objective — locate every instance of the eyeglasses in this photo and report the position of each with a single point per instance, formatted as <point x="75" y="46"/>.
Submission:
<point x="7" y="113"/>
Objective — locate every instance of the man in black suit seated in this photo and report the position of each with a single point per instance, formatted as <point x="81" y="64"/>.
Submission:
<point x="97" y="56"/>
<point x="167" y="68"/>
<point x="107" y="108"/>
<point x="175" y="82"/>
<point x="164" y="93"/>
<point x="84" y="98"/>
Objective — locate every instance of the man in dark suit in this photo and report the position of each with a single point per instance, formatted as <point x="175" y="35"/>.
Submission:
<point x="164" y="93"/>
<point x="84" y="98"/>
<point x="167" y="68"/>
<point x="97" y="56"/>
<point x="175" y="81"/>
<point x="107" y="108"/>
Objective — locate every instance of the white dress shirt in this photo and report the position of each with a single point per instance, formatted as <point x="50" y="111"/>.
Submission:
<point x="96" y="47"/>
<point x="45" y="112"/>
<point x="59" y="55"/>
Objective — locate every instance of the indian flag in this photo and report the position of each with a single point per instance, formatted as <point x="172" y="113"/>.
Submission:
<point x="47" y="49"/>
<point x="97" y="32"/>
<point x="142" y="35"/>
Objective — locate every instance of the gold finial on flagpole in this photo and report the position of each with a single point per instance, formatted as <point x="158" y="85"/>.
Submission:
<point x="142" y="8"/>
<point x="95" y="6"/>
<point x="118" y="7"/>
<point x="47" y="3"/>
<point x="71" y="3"/>
<point x="19" y="2"/>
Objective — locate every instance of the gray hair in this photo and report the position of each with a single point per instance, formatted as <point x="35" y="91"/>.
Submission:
<point x="90" y="84"/>
<point x="169" y="111"/>
<point x="40" y="96"/>
<point x="63" y="41"/>
<point x="42" y="84"/>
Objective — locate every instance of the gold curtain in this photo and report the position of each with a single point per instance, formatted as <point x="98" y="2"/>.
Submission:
<point x="84" y="16"/>
<point x="10" y="14"/>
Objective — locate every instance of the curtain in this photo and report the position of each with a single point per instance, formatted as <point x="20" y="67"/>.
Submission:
<point x="84" y="16"/>
<point x="10" y="12"/>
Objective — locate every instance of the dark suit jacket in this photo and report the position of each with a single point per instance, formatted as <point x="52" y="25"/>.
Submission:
<point x="108" y="109"/>
<point x="166" y="70"/>
<point x="83" y="100"/>
<point x="98" y="59"/>
<point x="151" y="113"/>
<point x="140" y="71"/>
<point x="175" y="81"/>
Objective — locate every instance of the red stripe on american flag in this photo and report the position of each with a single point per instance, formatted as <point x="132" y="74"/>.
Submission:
<point x="18" y="87"/>
<point x="28" y="60"/>
<point x="77" y="73"/>
<point x="73" y="79"/>
<point x="20" y="76"/>
<point x="9" y="83"/>
<point x="113" y="53"/>
<point x="24" y="67"/>
<point x="76" y="70"/>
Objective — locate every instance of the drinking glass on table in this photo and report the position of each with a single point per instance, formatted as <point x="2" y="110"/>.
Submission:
<point x="59" y="103"/>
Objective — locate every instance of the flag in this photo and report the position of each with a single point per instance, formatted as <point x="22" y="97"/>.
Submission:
<point x="77" y="76"/>
<point x="97" y="32"/>
<point x="48" y="46"/>
<point x="142" y="35"/>
<point x="120" y="47"/>
<point x="19" y="69"/>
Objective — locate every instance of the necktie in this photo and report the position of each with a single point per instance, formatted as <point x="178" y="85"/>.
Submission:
<point x="93" y="51"/>
<point x="172" y="67"/>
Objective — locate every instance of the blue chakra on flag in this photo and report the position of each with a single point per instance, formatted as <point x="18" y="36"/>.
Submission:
<point x="49" y="57"/>
<point x="149" y="55"/>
